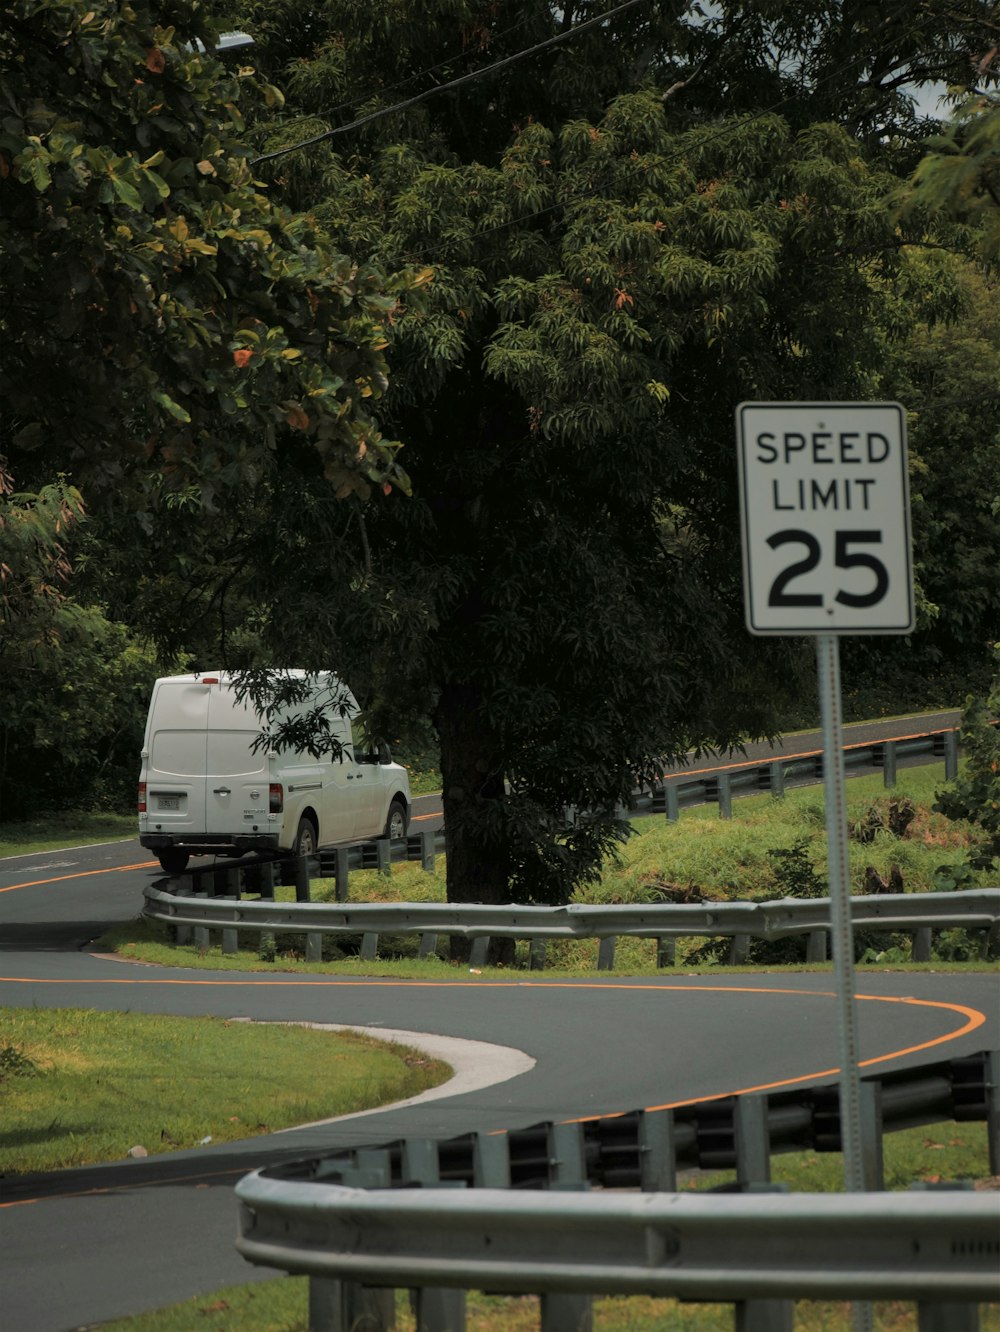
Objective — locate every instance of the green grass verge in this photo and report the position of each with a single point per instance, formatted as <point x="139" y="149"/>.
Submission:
<point x="79" y="1087"/>
<point x="770" y="848"/>
<point x="281" y="1306"/>
<point x="56" y="832"/>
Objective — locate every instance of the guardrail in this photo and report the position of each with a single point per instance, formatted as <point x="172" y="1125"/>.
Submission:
<point x="363" y="1219"/>
<point x="679" y="790"/>
<point x="918" y="913"/>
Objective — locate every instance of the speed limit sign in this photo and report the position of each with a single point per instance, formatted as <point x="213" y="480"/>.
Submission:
<point x="825" y="517"/>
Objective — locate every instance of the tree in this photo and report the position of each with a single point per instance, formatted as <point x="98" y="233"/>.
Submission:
<point x="74" y="683"/>
<point x="157" y="306"/>
<point x="610" y="277"/>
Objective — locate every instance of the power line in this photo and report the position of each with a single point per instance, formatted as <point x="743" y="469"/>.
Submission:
<point x="447" y="87"/>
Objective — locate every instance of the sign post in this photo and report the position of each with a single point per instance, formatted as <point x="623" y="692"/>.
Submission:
<point x="826" y="551"/>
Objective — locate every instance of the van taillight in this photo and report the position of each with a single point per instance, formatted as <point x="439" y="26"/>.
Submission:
<point x="276" y="792"/>
<point x="142" y="797"/>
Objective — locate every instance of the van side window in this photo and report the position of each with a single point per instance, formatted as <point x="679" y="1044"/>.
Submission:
<point x="342" y="732"/>
<point x="364" y="750"/>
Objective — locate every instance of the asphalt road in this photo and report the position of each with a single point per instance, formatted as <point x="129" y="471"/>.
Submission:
<point x="84" y="1246"/>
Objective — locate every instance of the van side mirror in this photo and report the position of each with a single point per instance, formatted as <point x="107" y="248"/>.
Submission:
<point x="384" y="755"/>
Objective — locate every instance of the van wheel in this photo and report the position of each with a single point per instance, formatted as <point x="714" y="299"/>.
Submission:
<point x="395" y="824"/>
<point x="173" y="862"/>
<point x="306" y="841"/>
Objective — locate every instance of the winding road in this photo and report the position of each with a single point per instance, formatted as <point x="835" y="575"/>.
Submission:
<point x="84" y="1246"/>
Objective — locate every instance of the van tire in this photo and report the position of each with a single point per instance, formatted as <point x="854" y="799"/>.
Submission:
<point x="173" y="861"/>
<point x="306" y="839"/>
<point x="396" y="821"/>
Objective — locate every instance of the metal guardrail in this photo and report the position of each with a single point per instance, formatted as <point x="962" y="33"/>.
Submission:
<point x="721" y="783"/>
<point x="916" y="912"/>
<point x="679" y="790"/>
<point x="365" y="1218"/>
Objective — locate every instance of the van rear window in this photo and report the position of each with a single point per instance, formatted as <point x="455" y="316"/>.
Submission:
<point x="179" y="752"/>
<point x="230" y="752"/>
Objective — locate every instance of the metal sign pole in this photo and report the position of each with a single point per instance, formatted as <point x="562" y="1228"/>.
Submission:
<point x="841" y="928"/>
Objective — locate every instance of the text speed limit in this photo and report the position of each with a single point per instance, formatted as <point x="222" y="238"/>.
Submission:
<point x="825" y="518"/>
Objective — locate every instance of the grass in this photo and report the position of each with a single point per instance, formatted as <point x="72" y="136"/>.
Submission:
<point x="281" y="1306"/>
<point x="80" y="1087"/>
<point x="943" y="1151"/>
<point x="770" y="848"/>
<point x="57" y="832"/>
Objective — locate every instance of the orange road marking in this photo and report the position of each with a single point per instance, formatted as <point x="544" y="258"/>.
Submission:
<point x="974" y="1019"/>
<point x="81" y="874"/>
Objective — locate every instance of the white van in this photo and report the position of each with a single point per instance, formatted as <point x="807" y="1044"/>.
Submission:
<point x="204" y="790"/>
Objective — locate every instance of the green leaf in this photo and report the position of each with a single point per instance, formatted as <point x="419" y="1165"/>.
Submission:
<point x="174" y="408"/>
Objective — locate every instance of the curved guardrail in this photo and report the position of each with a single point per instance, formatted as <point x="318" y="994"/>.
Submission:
<point x="517" y="1212"/>
<point x="809" y="1246"/>
<point x="916" y="912"/>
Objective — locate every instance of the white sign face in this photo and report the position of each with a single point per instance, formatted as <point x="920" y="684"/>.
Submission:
<point x="825" y="514"/>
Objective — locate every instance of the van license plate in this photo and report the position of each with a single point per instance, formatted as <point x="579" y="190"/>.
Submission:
<point x="168" y="802"/>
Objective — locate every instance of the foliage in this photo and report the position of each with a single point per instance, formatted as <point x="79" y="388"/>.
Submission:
<point x="960" y="174"/>
<point x="975" y="795"/>
<point x="158" y="307"/>
<point x="609" y="278"/>
<point x="74" y="683"/>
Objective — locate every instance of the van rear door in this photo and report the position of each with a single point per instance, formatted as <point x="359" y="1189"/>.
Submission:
<point x="236" y="778"/>
<point x="175" y="765"/>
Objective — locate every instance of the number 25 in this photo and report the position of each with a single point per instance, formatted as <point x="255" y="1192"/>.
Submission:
<point x="844" y="558"/>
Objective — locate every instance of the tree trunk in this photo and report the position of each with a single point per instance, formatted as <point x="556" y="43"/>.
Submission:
<point x="474" y="816"/>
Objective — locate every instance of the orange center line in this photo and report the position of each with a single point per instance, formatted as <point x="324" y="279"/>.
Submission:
<point x="80" y="874"/>
<point x="973" y="1019"/>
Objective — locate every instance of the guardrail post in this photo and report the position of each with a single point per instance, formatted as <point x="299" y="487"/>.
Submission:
<point x="480" y="949"/>
<point x="383" y="856"/>
<point x="536" y="954"/>
<point x="428" y="945"/>
<point x="314" y="947"/>
<point x="567" y="1313"/>
<point x="993" y="1109"/>
<point x="369" y="946"/>
<point x="752" y="1139"/>
<point x="950" y="755"/>
<point x="872" y="1163"/>
<point x="671" y="801"/>
<point x="202" y="935"/>
<point x="491" y="1161"/>
<point x="947" y="1316"/>
<point x="302" y="868"/>
<point x="567" y="1167"/>
<point x="738" y="949"/>
<point x="657" y="1152"/>
<point x="438" y="1309"/>
<point x="182" y="933"/>
<point x="428" y="856"/>
<point x="725" y="797"/>
<point x="344" y="1306"/>
<point x="666" y="951"/>
<point x="921" y="950"/>
<point x="341" y="872"/>
<point x="606" y="953"/>
<point x="230" y="936"/>
<point x="816" y="946"/>
<point x="777" y="778"/>
<point x="764" y="1316"/>
<point x="889" y="763"/>
<point x="267" y="880"/>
